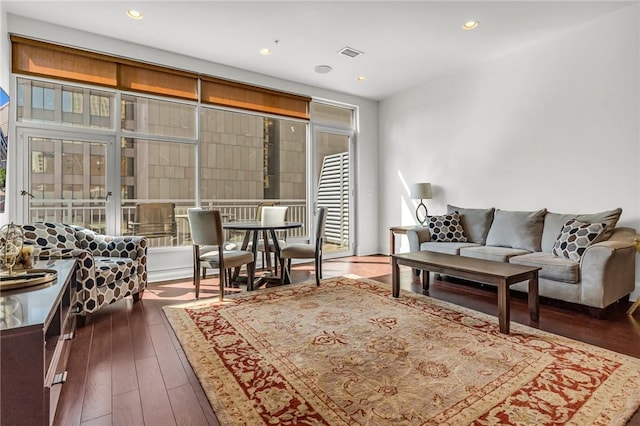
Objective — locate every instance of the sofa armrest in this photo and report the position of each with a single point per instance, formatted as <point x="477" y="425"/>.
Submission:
<point x="417" y="236"/>
<point x="607" y="269"/>
<point x="133" y="247"/>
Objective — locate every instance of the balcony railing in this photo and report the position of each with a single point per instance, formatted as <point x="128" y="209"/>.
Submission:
<point x="91" y="214"/>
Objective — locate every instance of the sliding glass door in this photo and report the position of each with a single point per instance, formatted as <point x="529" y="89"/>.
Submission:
<point x="67" y="179"/>
<point x="332" y="181"/>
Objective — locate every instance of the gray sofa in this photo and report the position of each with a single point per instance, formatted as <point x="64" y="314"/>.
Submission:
<point x="585" y="258"/>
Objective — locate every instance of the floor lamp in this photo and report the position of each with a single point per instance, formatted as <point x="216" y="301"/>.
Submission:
<point x="421" y="191"/>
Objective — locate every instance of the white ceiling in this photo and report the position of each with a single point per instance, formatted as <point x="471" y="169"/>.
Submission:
<point x="404" y="43"/>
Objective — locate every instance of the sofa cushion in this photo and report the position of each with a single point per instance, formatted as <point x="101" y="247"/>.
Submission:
<point x="111" y="269"/>
<point x="553" y="224"/>
<point x="575" y="237"/>
<point x="446" y="228"/>
<point x="475" y="222"/>
<point x="447" y="248"/>
<point x="515" y="229"/>
<point x="609" y="218"/>
<point x="497" y="254"/>
<point x="553" y="267"/>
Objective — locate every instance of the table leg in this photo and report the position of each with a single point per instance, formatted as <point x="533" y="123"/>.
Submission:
<point x="504" y="313"/>
<point x="395" y="278"/>
<point x="392" y="242"/>
<point x="265" y="241"/>
<point x="245" y="244"/>
<point x="276" y="251"/>
<point x="425" y="280"/>
<point x="534" y="303"/>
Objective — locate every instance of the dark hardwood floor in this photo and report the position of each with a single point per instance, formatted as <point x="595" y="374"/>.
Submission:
<point x="126" y="366"/>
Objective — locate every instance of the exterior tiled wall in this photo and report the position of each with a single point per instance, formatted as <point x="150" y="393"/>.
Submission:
<point x="231" y="157"/>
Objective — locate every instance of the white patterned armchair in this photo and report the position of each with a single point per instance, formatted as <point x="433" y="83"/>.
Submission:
<point x="108" y="268"/>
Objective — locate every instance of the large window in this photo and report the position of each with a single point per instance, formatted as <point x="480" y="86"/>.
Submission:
<point x="247" y="158"/>
<point x="112" y="161"/>
<point x="66" y="105"/>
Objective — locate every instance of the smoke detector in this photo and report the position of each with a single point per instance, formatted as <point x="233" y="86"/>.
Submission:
<point x="322" y="69"/>
<point x="350" y="52"/>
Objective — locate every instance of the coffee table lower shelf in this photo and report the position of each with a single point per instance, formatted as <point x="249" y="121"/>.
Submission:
<point x="500" y="274"/>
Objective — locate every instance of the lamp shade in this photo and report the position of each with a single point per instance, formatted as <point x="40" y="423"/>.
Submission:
<point x="421" y="191"/>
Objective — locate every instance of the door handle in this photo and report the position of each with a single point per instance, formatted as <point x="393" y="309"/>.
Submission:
<point x="106" y="197"/>
<point x="23" y="193"/>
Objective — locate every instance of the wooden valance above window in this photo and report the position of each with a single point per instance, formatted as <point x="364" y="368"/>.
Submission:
<point x="43" y="59"/>
<point x="237" y="95"/>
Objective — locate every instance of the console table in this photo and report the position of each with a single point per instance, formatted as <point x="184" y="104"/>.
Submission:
<point x="36" y="328"/>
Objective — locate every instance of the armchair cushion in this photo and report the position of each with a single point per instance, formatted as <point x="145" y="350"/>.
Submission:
<point x="111" y="269"/>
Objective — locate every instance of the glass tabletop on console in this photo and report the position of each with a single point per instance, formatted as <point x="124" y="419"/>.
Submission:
<point x="32" y="305"/>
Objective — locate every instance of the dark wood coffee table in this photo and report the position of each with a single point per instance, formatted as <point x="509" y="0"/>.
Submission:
<point x="500" y="274"/>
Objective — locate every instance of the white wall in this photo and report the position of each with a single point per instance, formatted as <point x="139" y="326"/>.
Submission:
<point x="552" y="125"/>
<point x="367" y="178"/>
<point x="5" y="73"/>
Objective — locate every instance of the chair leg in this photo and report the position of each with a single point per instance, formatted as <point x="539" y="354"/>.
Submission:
<point x="318" y="272"/>
<point x="275" y="263"/>
<point x="223" y="283"/>
<point x="204" y="273"/>
<point x="138" y="296"/>
<point x="251" y="273"/>
<point x="196" y="282"/>
<point x="196" y="271"/>
<point x="283" y="272"/>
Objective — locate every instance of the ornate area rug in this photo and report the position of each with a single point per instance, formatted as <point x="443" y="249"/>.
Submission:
<point x="347" y="353"/>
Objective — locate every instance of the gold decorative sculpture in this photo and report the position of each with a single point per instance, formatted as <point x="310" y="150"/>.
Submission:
<point x="11" y="241"/>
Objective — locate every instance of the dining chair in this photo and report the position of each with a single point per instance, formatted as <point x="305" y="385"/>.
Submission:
<point x="306" y="251"/>
<point x="206" y="231"/>
<point x="274" y="214"/>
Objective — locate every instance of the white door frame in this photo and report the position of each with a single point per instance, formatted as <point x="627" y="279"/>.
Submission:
<point x="22" y="177"/>
<point x="312" y="201"/>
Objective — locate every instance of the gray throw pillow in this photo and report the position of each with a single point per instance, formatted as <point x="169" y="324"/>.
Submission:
<point x="475" y="222"/>
<point x="521" y="230"/>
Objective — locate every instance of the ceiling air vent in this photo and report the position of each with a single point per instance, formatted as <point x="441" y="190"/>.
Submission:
<point x="350" y="52"/>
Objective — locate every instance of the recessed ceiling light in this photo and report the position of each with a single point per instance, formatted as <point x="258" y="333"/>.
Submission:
<point x="322" y="69"/>
<point x="134" y="14"/>
<point x="361" y="78"/>
<point x="470" y="25"/>
<point x="265" y="52"/>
